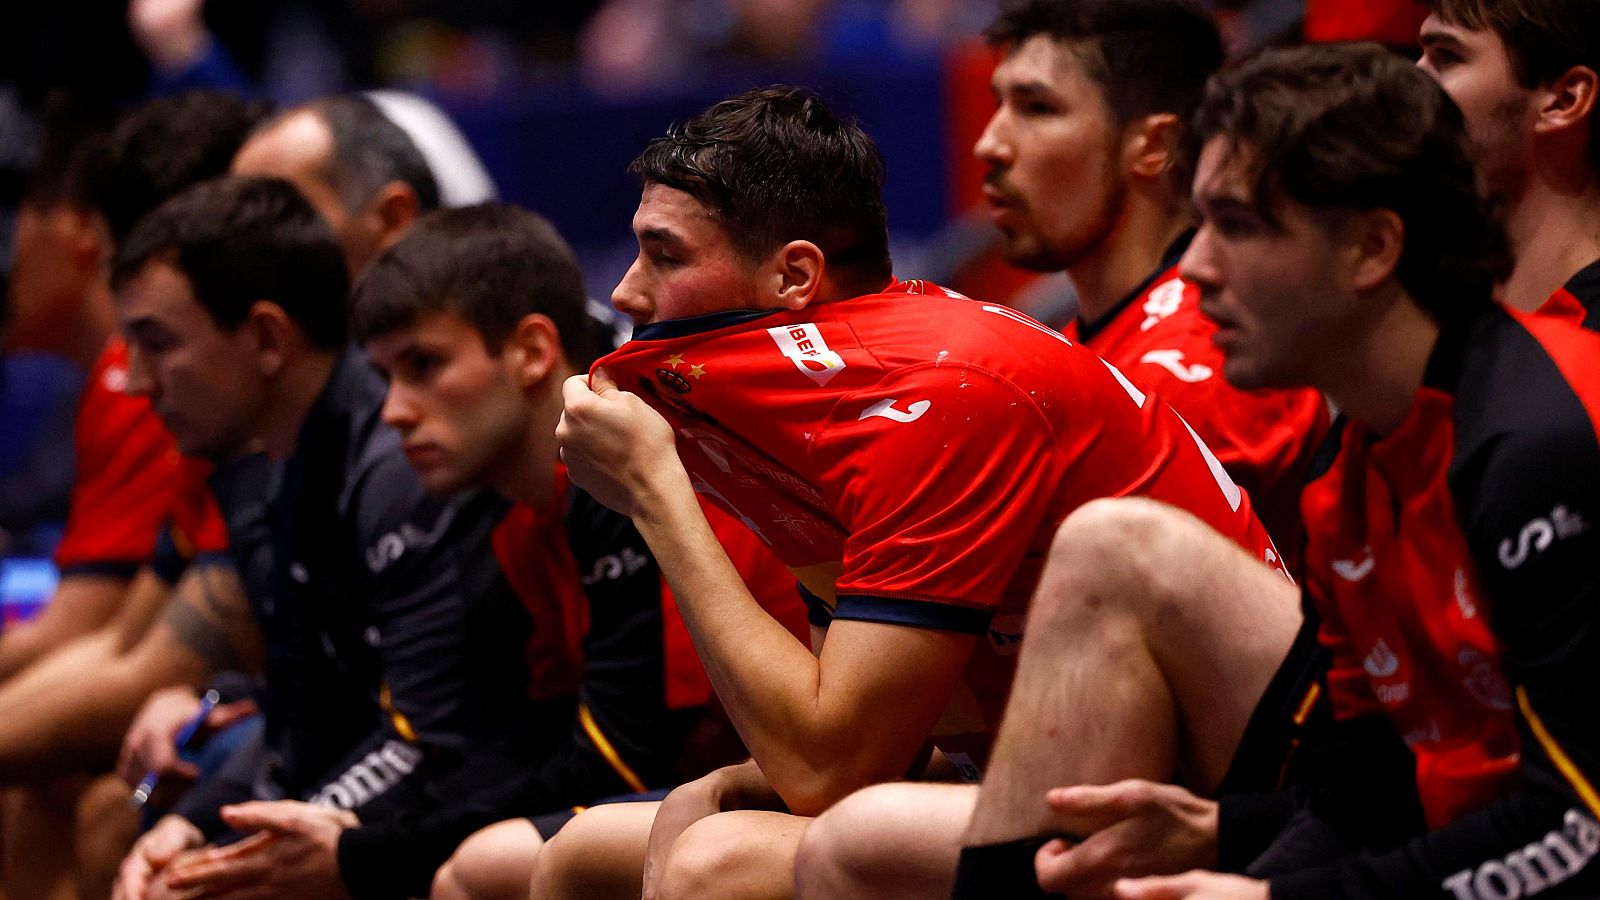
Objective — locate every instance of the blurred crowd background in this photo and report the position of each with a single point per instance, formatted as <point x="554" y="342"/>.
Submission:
<point x="555" y="97"/>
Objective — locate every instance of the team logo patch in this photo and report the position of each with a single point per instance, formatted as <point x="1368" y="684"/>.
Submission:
<point x="674" y="381"/>
<point x="804" y="346"/>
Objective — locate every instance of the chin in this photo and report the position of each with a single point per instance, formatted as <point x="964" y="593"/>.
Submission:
<point x="1032" y="256"/>
<point x="1244" y="376"/>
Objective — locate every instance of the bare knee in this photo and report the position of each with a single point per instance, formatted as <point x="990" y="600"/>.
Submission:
<point x="1125" y="555"/>
<point x="494" y="863"/>
<point x="844" y="851"/>
<point x="447" y="884"/>
<point x="715" y="857"/>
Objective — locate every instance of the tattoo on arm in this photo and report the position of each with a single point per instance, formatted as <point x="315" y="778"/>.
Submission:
<point x="210" y="616"/>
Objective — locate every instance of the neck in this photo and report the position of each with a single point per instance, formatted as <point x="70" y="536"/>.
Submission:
<point x="531" y="471"/>
<point x="1377" y="373"/>
<point x="294" y="392"/>
<point x="1129" y="254"/>
<point x="1555" y="231"/>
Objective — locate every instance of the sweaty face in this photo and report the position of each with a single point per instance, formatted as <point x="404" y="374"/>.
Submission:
<point x="686" y="265"/>
<point x="1474" y="68"/>
<point x="461" y="418"/>
<point x="1276" y="290"/>
<point x="203" y="381"/>
<point x="1054" y="186"/>
<point x="299" y="149"/>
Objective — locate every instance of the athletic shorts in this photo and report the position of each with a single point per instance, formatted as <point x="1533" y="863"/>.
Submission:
<point x="1292" y="712"/>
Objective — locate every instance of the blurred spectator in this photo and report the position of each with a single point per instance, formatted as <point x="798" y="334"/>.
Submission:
<point x="634" y="46"/>
<point x="1392" y="22"/>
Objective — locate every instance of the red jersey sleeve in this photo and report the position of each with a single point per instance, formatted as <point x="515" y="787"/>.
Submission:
<point x="937" y="526"/>
<point x="197" y="525"/>
<point x="126" y="475"/>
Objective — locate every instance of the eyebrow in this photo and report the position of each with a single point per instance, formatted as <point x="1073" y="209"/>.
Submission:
<point x="1029" y="88"/>
<point x="659" y="235"/>
<point x="1438" y="37"/>
<point x="144" y="325"/>
<point x="1220" y="203"/>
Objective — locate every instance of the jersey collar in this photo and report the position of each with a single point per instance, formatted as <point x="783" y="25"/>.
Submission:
<point x="1169" y="258"/>
<point x="677" y="328"/>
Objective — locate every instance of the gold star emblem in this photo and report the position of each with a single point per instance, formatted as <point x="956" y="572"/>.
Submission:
<point x="697" y="371"/>
<point x="675" y="360"/>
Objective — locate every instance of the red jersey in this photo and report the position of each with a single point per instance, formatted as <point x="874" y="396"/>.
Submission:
<point x="1577" y="301"/>
<point x="1265" y="439"/>
<point x="196" y="524"/>
<point x="910" y="453"/>
<point x="126" y="472"/>
<point x="537" y="554"/>
<point x="1452" y="562"/>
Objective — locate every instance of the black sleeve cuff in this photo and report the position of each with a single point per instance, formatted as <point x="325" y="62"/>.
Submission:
<point x="376" y="864"/>
<point x="817" y="611"/>
<point x="916" y="613"/>
<point x="1246" y="825"/>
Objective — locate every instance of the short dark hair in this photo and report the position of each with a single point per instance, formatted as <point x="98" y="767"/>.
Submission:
<point x="775" y="165"/>
<point x="159" y="149"/>
<point x="239" y="240"/>
<point x="1543" y="38"/>
<point x="1355" y="127"/>
<point x="1148" y="56"/>
<point x="491" y="264"/>
<point x="370" y="151"/>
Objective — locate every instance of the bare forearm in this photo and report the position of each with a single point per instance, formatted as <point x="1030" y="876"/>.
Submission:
<point x="68" y="713"/>
<point x="767" y="680"/>
<point x="81" y="604"/>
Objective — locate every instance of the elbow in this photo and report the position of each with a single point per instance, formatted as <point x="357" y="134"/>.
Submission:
<point x="811" y="792"/>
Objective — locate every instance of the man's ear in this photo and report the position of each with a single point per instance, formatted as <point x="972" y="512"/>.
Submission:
<point x="796" y="274"/>
<point x="396" y="208"/>
<point x="1376" y="240"/>
<point x="1568" y="100"/>
<point x="532" y="350"/>
<point x="272" y="334"/>
<point x="1150" y="145"/>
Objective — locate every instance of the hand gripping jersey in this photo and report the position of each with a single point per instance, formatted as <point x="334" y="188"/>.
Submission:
<point x="1265" y="439"/>
<point x="126" y="472"/>
<point x="1578" y="301"/>
<point x="910" y="454"/>
<point x="1453" y="564"/>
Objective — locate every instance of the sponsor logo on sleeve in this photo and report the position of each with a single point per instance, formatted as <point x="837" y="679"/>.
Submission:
<point x="371" y="777"/>
<point x="804" y="346"/>
<point x="1534" y="869"/>
<point x="386" y="550"/>
<point x="616" y="565"/>
<point x="1537" y="536"/>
